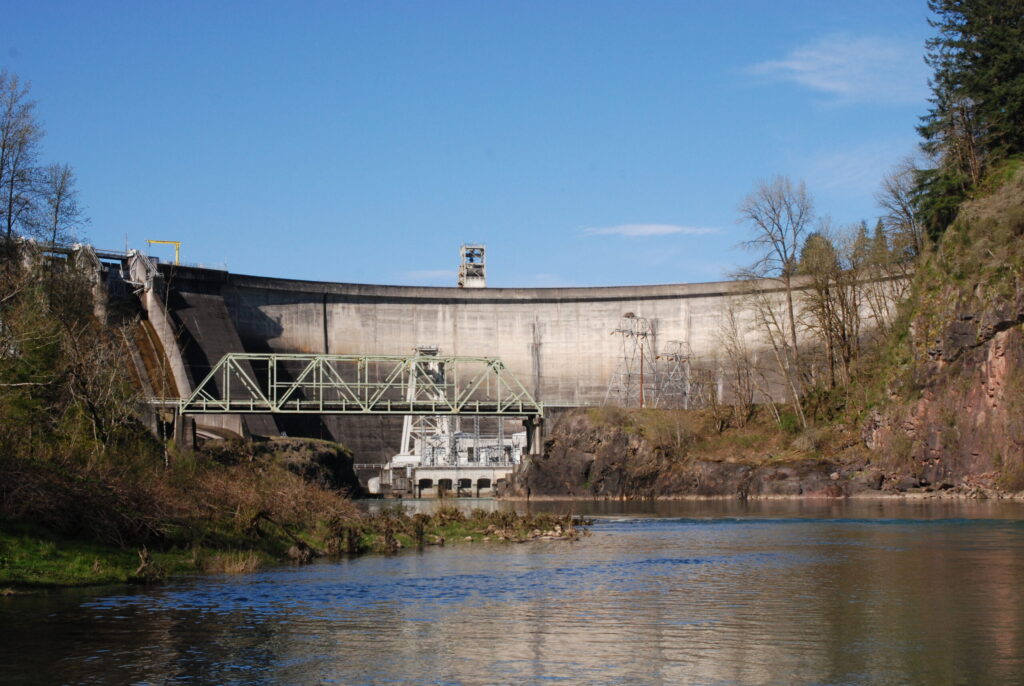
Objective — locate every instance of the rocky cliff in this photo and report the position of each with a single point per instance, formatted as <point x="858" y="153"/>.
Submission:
<point x="955" y="406"/>
<point x="615" y="453"/>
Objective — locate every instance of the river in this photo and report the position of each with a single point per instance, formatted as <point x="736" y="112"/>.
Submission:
<point x="719" y="592"/>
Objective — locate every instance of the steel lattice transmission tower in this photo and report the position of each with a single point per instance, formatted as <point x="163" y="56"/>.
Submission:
<point x="634" y="382"/>
<point x="675" y="379"/>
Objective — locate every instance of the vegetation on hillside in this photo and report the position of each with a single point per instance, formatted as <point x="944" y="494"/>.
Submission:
<point x="977" y="115"/>
<point x="949" y="391"/>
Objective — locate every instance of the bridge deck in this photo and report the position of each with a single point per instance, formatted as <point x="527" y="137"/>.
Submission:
<point x="385" y="407"/>
<point x="253" y="383"/>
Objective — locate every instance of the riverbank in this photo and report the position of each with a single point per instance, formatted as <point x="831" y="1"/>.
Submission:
<point x="632" y="454"/>
<point x="35" y="558"/>
<point x="31" y="557"/>
<point x="684" y="497"/>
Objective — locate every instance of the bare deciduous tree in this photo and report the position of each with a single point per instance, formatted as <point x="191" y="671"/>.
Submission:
<point x="780" y="214"/>
<point x="59" y="211"/>
<point x="771" y="321"/>
<point x="20" y="134"/>
<point x="886" y="278"/>
<point x="739" y="370"/>
<point x="836" y="267"/>
<point x="900" y="221"/>
<point x="819" y="260"/>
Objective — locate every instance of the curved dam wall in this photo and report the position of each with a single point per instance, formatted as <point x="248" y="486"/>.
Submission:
<point x="556" y="341"/>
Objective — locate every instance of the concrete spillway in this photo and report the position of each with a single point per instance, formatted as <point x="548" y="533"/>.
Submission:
<point x="556" y="341"/>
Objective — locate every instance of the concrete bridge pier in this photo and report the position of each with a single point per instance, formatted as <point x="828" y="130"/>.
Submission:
<point x="534" y="434"/>
<point x="184" y="431"/>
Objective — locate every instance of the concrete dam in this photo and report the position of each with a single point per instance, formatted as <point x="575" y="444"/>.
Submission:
<point x="561" y="343"/>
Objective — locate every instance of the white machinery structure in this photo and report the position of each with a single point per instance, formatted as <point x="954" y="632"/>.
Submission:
<point x="436" y="453"/>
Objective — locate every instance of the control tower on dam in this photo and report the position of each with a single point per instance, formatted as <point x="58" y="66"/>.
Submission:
<point x="567" y="346"/>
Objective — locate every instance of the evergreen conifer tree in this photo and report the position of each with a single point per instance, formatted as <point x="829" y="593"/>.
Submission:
<point x="977" y="112"/>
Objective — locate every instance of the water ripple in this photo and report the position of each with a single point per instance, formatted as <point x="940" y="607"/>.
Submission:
<point x="673" y="600"/>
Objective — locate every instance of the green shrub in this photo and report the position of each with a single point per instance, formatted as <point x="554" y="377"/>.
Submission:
<point x="789" y="422"/>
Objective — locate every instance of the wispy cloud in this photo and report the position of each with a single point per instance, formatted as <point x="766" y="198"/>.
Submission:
<point x="642" y="230"/>
<point x="854" y="69"/>
<point x="855" y="169"/>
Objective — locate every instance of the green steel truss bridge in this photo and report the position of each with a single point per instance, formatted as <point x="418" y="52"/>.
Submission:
<point x="254" y="383"/>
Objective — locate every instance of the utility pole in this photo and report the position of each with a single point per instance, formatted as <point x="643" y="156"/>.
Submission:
<point x="641" y="377"/>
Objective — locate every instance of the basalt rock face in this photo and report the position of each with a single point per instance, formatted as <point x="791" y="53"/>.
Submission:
<point x="967" y="426"/>
<point x="955" y="413"/>
<point x="590" y="457"/>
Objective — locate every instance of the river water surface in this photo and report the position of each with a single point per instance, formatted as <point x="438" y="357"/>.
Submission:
<point x="876" y="592"/>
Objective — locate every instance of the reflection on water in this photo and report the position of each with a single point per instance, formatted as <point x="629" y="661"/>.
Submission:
<point x="707" y="593"/>
<point x="829" y="508"/>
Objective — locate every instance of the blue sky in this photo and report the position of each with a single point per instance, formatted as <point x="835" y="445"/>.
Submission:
<point x="585" y="143"/>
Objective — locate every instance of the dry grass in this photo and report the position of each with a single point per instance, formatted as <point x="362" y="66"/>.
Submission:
<point x="392" y="529"/>
<point x="230" y="562"/>
<point x="194" y="502"/>
<point x="241" y="492"/>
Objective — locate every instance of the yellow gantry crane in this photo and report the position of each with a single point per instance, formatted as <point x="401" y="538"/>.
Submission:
<point x="176" y="244"/>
